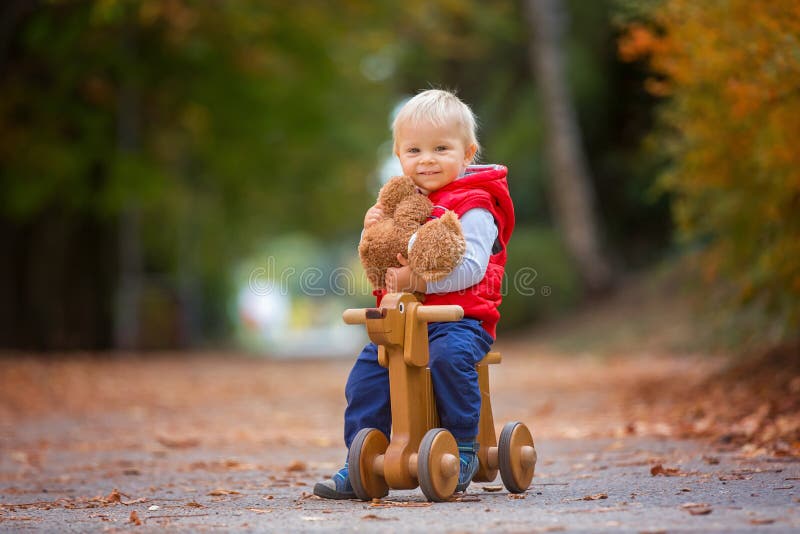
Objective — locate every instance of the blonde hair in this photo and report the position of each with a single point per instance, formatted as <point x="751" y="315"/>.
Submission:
<point x="438" y="108"/>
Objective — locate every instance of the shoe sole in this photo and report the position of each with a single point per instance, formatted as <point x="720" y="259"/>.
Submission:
<point x="321" y="490"/>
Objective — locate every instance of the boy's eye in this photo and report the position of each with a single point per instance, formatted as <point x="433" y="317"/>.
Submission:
<point x="413" y="150"/>
<point x="440" y="148"/>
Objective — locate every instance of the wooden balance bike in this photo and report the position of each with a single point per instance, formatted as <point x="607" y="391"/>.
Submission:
<point x="420" y="453"/>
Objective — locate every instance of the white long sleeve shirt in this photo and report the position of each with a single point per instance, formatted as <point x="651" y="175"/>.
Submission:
<point x="480" y="233"/>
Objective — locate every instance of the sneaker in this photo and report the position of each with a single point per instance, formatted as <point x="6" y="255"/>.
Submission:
<point x="467" y="452"/>
<point x="337" y="487"/>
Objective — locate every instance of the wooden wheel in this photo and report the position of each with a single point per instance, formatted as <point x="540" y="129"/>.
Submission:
<point x="516" y="456"/>
<point x="368" y="444"/>
<point x="438" y="465"/>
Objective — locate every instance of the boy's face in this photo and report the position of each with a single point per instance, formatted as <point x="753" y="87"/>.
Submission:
<point x="433" y="156"/>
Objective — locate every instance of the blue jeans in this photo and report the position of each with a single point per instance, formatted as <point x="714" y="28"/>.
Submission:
<point x="455" y="348"/>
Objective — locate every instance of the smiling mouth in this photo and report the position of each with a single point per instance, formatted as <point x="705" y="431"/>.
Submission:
<point x="428" y="173"/>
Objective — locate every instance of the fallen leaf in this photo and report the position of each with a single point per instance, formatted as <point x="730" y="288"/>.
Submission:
<point x="734" y="476"/>
<point x="220" y="492"/>
<point x="595" y="497"/>
<point x="260" y="510"/>
<point x="235" y="465"/>
<point x="178" y="443"/>
<point x="398" y="504"/>
<point x="465" y="498"/>
<point x="493" y="488"/>
<point x="697" y="508"/>
<point x="194" y="504"/>
<point x="374" y="517"/>
<point x="757" y="521"/>
<point x="312" y="518"/>
<point x="711" y="460"/>
<point x="783" y="487"/>
<point x="659" y="469"/>
<point x="516" y="495"/>
<point x="134" y="518"/>
<point x="297" y="465"/>
<point x="154" y="508"/>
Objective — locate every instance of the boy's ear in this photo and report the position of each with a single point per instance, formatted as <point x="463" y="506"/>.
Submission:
<point x="470" y="153"/>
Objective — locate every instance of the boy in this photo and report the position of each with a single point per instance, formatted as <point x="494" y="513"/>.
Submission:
<point x="434" y="138"/>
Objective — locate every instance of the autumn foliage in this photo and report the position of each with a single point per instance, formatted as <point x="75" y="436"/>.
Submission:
<point x="729" y="72"/>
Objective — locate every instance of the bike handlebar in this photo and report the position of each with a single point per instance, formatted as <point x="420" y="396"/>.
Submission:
<point x="428" y="314"/>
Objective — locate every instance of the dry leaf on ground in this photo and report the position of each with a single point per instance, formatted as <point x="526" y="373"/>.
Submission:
<point x="595" y="497"/>
<point x="374" y="517"/>
<point x="296" y="465"/>
<point x="134" y="518"/>
<point x="659" y="469"/>
<point x="220" y="492"/>
<point x="178" y="443"/>
<point x="697" y="508"/>
<point x="398" y="504"/>
<point x="114" y="496"/>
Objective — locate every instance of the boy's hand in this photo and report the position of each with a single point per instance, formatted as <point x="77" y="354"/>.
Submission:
<point x="400" y="279"/>
<point x="374" y="214"/>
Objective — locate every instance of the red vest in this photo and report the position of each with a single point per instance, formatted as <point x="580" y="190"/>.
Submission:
<point x="484" y="186"/>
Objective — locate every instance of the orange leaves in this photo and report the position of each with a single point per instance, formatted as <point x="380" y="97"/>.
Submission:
<point x="731" y="75"/>
<point x="638" y="42"/>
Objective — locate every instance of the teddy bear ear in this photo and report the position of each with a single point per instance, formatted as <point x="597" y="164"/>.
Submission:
<point x="438" y="249"/>
<point x="394" y="191"/>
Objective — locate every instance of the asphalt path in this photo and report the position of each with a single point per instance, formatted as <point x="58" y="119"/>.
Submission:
<point x="245" y="457"/>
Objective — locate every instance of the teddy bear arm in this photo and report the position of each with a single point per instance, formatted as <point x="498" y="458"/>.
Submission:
<point x="438" y="248"/>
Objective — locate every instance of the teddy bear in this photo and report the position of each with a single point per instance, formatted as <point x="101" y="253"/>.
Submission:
<point x="437" y="249"/>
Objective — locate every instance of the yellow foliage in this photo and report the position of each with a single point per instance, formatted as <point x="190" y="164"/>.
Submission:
<point x="731" y="123"/>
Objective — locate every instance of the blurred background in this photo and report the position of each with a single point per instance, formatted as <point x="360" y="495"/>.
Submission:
<point x="194" y="175"/>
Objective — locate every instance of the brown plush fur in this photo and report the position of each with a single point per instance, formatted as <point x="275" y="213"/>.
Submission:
<point x="438" y="248"/>
<point x="436" y="251"/>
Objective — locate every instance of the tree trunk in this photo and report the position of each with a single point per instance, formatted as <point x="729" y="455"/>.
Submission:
<point x="570" y="183"/>
<point x="129" y="290"/>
